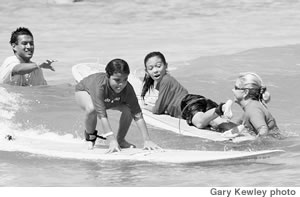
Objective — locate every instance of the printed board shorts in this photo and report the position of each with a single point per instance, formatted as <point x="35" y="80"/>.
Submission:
<point x="192" y="104"/>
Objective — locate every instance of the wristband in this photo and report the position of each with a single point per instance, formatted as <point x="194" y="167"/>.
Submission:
<point x="108" y="134"/>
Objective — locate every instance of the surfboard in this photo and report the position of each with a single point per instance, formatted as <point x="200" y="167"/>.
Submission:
<point x="59" y="147"/>
<point x="165" y="122"/>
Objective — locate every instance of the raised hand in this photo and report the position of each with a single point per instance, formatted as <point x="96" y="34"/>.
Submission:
<point x="47" y="64"/>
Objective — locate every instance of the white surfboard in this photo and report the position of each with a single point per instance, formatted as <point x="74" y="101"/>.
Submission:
<point x="77" y="149"/>
<point x="167" y="122"/>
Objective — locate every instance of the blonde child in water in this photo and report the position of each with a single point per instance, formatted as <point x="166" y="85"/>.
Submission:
<point x="252" y="95"/>
<point x="174" y="99"/>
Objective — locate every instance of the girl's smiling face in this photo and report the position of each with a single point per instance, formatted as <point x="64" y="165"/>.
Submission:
<point x="118" y="81"/>
<point x="156" y="68"/>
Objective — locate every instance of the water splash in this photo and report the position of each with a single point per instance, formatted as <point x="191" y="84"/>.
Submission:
<point x="10" y="104"/>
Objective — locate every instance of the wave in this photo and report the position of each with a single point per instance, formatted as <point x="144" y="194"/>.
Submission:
<point x="10" y="103"/>
<point x="20" y="116"/>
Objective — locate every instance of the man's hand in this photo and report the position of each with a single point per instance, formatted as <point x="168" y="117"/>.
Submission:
<point x="47" y="64"/>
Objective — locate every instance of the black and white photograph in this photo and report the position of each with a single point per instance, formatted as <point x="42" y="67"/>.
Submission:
<point x="200" y="94"/>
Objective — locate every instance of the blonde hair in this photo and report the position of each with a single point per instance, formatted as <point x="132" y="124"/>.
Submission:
<point x="257" y="89"/>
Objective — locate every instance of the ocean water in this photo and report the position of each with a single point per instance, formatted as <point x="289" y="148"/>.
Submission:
<point x="207" y="43"/>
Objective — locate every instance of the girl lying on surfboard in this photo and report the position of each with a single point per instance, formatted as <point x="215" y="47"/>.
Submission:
<point x="174" y="99"/>
<point x="111" y="90"/>
<point x="252" y="95"/>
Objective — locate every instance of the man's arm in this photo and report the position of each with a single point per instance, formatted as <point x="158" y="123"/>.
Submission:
<point x="25" y="68"/>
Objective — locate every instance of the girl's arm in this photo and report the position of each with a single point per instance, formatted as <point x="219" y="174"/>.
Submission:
<point x="257" y="119"/>
<point x="113" y="144"/>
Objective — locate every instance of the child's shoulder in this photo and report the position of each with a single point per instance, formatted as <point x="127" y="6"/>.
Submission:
<point x="168" y="78"/>
<point x="95" y="78"/>
<point x="254" y="107"/>
<point x="97" y="75"/>
<point x="129" y="87"/>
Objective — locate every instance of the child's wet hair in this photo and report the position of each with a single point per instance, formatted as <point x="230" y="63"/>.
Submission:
<point x="19" y="31"/>
<point x="257" y="90"/>
<point x="155" y="54"/>
<point x="117" y="66"/>
<point x="148" y="81"/>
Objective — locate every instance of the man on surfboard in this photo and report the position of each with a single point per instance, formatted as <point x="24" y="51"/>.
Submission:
<point x="111" y="90"/>
<point x="19" y="69"/>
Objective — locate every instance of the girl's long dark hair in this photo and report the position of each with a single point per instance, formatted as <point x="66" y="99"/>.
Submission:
<point x="148" y="82"/>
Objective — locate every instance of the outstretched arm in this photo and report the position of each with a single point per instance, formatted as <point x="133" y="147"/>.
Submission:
<point x="25" y="68"/>
<point x="47" y="64"/>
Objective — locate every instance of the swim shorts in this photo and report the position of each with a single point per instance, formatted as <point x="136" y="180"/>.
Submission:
<point x="192" y="104"/>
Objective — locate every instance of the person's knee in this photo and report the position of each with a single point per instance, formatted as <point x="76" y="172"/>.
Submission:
<point x="90" y="110"/>
<point x="198" y="121"/>
<point x="199" y="125"/>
